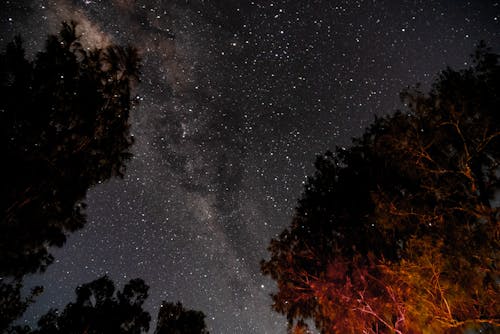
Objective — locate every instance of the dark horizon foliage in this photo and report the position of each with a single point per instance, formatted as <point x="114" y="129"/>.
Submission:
<point x="99" y="308"/>
<point x="399" y="233"/>
<point x="175" y="319"/>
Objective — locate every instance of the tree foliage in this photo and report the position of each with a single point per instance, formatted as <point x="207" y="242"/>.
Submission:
<point x="64" y="121"/>
<point x="63" y="128"/>
<point x="174" y="319"/>
<point x="12" y="303"/>
<point x="400" y="232"/>
<point x="101" y="309"/>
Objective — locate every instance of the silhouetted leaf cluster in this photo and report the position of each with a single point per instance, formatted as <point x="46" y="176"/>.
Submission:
<point x="174" y="319"/>
<point x="64" y="121"/>
<point x="12" y="303"/>
<point x="400" y="232"/>
<point x="100" y="309"/>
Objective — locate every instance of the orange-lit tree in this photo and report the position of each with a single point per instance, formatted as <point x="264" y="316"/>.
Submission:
<point x="400" y="232"/>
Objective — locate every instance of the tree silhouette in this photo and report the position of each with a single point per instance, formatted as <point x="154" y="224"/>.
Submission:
<point x="64" y="121"/>
<point x="100" y="309"/>
<point x="64" y="128"/>
<point x="12" y="304"/>
<point x="400" y="232"/>
<point x="174" y="319"/>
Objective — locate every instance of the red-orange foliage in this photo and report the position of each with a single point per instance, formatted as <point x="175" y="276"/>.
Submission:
<point x="400" y="233"/>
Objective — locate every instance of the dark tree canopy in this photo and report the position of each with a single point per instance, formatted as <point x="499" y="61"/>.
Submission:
<point x="64" y="121"/>
<point x="100" y="309"/>
<point x="12" y="303"/>
<point x="175" y="319"/>
<point x="400" y="232"/>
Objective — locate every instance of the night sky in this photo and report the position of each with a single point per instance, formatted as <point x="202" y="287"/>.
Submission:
<point x="236" y="99"/>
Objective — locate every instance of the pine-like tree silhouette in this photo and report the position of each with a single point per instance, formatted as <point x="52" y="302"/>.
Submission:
<point x="64" y="121"/>
<point x="400" y="232"/>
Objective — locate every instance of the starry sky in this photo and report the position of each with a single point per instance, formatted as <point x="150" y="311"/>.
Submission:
<point x="236" y="99"/>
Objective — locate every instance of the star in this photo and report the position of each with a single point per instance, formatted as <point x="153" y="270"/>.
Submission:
<point x="236" y="99"/>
